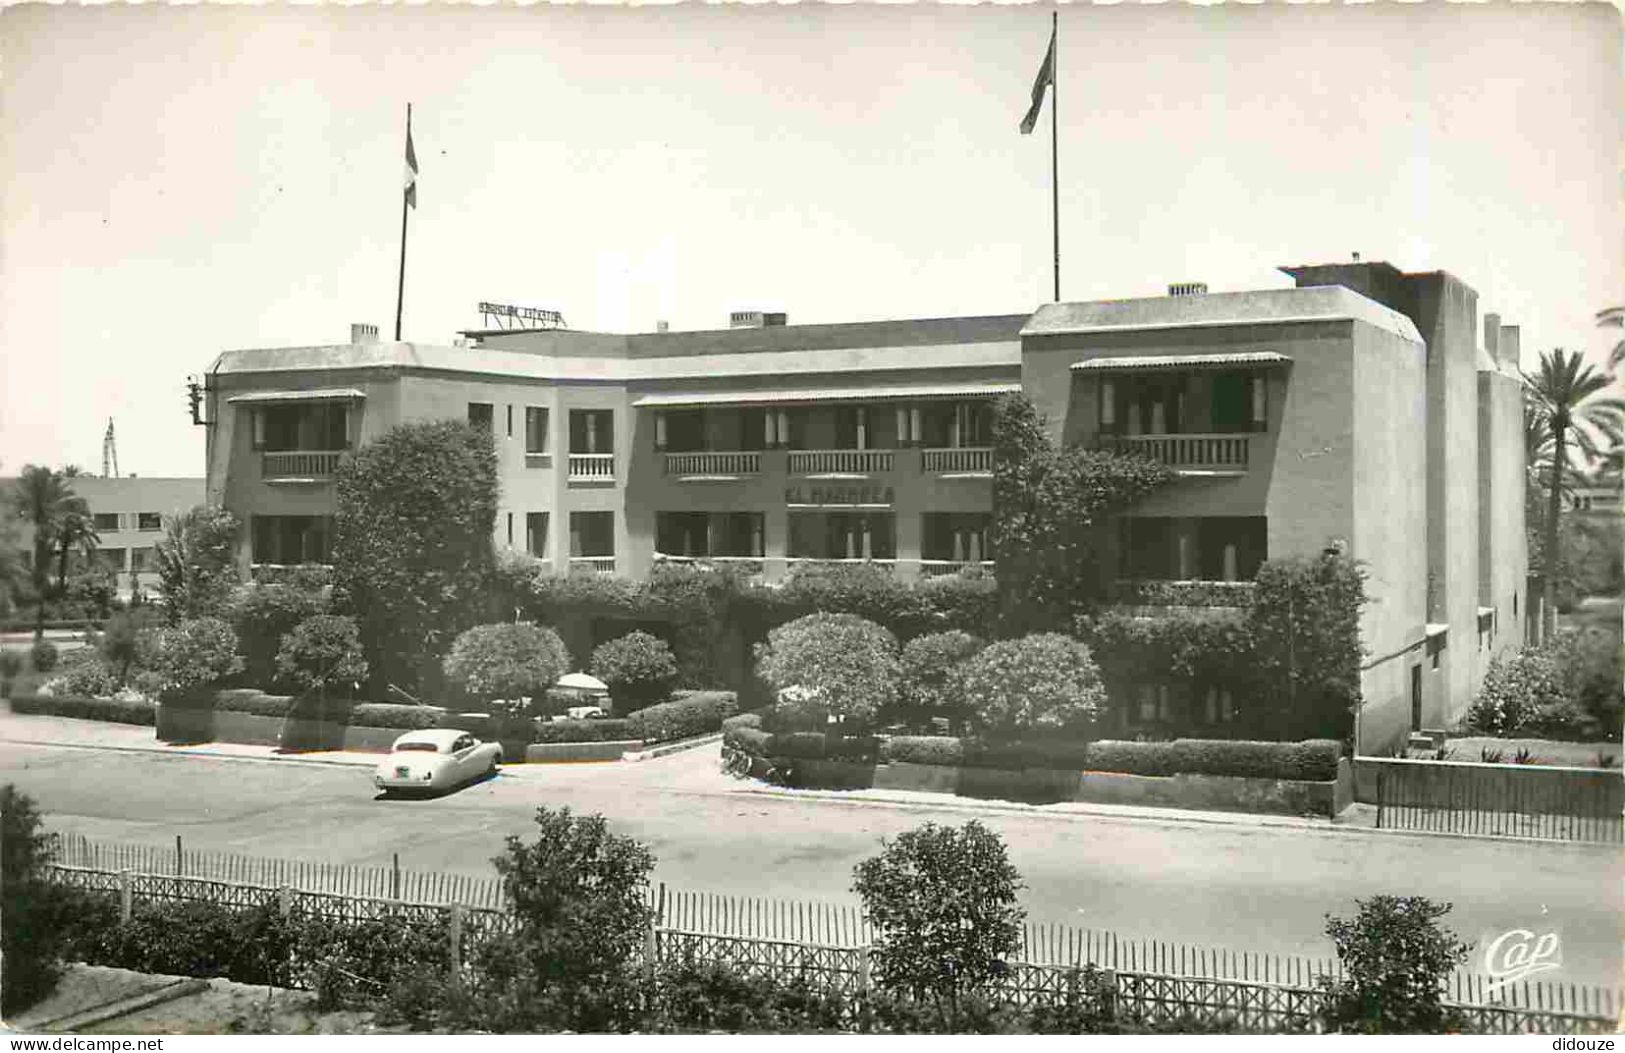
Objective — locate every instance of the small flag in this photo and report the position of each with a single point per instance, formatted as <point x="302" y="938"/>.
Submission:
<point x="1046" y="77"/>
<point x="411" y="166"/>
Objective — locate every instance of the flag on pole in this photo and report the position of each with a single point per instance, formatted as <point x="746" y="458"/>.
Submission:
<point x="411" y="166"/>
<point x="1046" y="77"/>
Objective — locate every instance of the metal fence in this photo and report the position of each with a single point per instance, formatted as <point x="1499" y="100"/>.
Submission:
<point x="1501" y="800"/>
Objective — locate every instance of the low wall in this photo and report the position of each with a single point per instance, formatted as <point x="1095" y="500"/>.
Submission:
<point x="248" y="729"/>
<point x="574" y="752"/>
<point x="1535" y="789"/>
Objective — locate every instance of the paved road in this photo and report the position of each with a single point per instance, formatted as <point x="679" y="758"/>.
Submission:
<point x="1257" y="888"/>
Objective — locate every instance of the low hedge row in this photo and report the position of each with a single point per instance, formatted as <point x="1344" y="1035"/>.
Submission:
<point x="607" y="730"/>
<point x="395" y="715"/>
<point x="254" y="703"/>
<point x="695" y="714"/>
<point x="110" y="710"/>
<point x="1314" y="760"/>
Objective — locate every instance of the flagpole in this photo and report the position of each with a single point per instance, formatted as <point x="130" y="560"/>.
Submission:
<point x="1055" y="143"/>
<point x="400" y="285"/>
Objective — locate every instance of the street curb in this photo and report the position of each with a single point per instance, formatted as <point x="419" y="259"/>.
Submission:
<point x="125" y="1006"/>
<point x="672" y="747"/>
<point x="1173" y="817"/>
<point x="173" y="752"/>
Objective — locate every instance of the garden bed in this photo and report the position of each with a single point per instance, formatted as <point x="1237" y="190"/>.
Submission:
<point x="1540" y="751"/>
<point x="578" y="752"/>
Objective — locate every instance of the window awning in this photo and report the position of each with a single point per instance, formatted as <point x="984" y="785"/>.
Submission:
<point x="1219" y="361"/>
<point x="782" y="396"/>
<point x="311" y="395"/>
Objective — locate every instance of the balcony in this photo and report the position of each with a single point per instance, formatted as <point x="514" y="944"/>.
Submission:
<point x="1217" y="453"/>
<point x="592" y="564"/>
<point x="592" y="468"/>
<point x="749" y="565"/>
<point x="714" y="464"/>
<point x="961" y="460"/>
<point x="298" y="466"/>
<point x="944" y="568"/>
<point x="841" y="462"/>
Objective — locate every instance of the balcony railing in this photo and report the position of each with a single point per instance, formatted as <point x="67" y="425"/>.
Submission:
<point x="1184" y="593"/>
<point x="592" y="467"/>
<point x="709" y="462"/>
<point x="595" y="564"/>
<point x="299" y="464"/>
<point x="282" y="573"/>
<point x="958" y="459"/>
<point x="942" y="568"/>
<point x="1184" y="451"/>
<point x="840" y="462"/>
<point x="814" y="562"/>
<point x="743" y="564"/>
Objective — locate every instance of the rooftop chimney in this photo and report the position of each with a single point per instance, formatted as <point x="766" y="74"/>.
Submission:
<point x="1492" y="337"/>
<point x="662" y="326"/>
<point x="1187" y="289"/>
<point x="1511" y="352"/>
<point x="362" y="333"/>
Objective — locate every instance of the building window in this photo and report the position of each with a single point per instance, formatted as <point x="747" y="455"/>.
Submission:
<point x="111" y="558"/>
<point x="706" y="534"/>
<point x="1155" y="704"/>
<point x="510" y="530"/>
<point x="1220" y="705"/>
<point x="536" y="534"/>
<point x="143" y="559"/>
<point x="482" y="414"/>
<point x="535" y="429"/>
<point x="592" y="534"/>
<point x="843" y="535"/>
<point x="1212" y="548"/>
<point x="104" y="521"/>
<point x="1239" y="402"/>
<point x="321" y="426"/>
<point x="592" y="431"/>
<point x="952" y="425"/>
<point x="149" y="521"/>
<point x="290" y="540"/>
<point x="958" y="537"/>
<point x="681" y="431"/>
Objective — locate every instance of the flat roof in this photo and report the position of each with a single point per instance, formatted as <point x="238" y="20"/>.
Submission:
<point x="866" y="392"/>
<point x="1324" y="303"/>
<point x="1236" y="358"/>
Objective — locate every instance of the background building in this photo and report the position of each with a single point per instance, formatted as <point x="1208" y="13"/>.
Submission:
<point x="1363" y="410"/>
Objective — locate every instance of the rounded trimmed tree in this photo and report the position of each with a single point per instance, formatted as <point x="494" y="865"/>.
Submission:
<point x="638" y="668"/>
<point x="510" y="660"/>
<point x="1042" y="682"/>
<point x="412" y="544"/>
<point x="322" y="651"/>
<point x="929" y="665"/>
<point x="194" y="654"/>
<point x="841" y="663"/>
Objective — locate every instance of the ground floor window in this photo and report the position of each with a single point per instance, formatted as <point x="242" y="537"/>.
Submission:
<point x="843" y="535"/>
<point x="536" y="533"/>
<point x="592" y="534"/>
<point x="700" y="534"/>
<point x="957" y="537"/>
<point x="290" y="540"/>
<point x="1212" y="548"/>
<point x="111" y="558"/>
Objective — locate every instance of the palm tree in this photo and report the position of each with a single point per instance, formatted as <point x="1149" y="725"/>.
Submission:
<point x="42" y="498"/>
<point x="1614" y="318"/>
<point x="1567" y="398"/>
<point x="76" y="533"/>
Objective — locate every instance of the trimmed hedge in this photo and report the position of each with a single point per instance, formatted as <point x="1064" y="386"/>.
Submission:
<point x="925" y="749"/>
<point x="698" y="714"/>
<point x="607" y="730"/>
<point x="1131" y="758"/>
<point x="742" y="720"/>
<point x="1053" y="754"/>
<point x="110" y="710"/>
<point x="1314" y="760"/>
<point x="753" y="741"/>
<point x="254" y="703"/>
<point x="394" y="715"/>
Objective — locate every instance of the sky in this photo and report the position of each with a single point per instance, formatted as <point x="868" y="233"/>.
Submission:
<point x="177" y="181"/>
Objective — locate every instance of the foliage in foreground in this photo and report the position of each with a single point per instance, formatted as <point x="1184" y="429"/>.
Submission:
<point x="29" y="943"/>
<point x="1396" y="958"/>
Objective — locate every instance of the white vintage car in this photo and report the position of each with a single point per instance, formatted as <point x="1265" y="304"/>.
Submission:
<point x="436" y="759"/>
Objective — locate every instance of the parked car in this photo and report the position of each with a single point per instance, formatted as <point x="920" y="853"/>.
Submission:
<point x="436" y="759"/>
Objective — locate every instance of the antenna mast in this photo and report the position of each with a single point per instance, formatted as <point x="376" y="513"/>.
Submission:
<point x="109" y="453"/>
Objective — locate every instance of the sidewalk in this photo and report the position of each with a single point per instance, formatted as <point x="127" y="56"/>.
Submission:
<point x="65" y="732"/>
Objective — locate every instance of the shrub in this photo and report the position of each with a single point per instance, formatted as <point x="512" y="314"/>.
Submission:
<point x="11" y="664"/>
<point x="43" y="656"/>
<point x="109" y="710"/>
<point x="753" y="741"/>
<point x="322" y="652"/>
<point x="254" y="703"/>
<point x="85" y="674"/>
<point x="696" y="715"/>
<point x="1396" y="959"/>
<point x="638" y="669"/>
<point x="197" y="563"/>
<point x="942" y="902"/>
<point x="1045" y="754"/>
<point x="923" y="749"/>
<point x="194" y="654"/>
<point x="251" y="945"/>
<point x="129" y="642"/>
<point x="845" y="664"/>
<point x="707" y="997"/>
<point x="393" y="715"/>
<point x="611" y="730"/>
<point x="1305" y="627"/>
<point x="1043" y="681"/>
<point x="804" y="745"/>
<point x="1131" y="758"/>
<point x="264" y="614"/>
<point x="929" y="664"/>
<point x="507" y="661"/>
<point x="1514" y="689"/>
<point x="412" y="543"/>
<point x="578" y="895"/>
<point x="30" y="941"/>
<point x="742" y="720"/>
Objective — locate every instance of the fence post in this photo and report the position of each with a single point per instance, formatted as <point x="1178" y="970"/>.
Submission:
<point x="126" y="897"/>
<point x="1108" y="994"/>
<point x="455" y="938"/>
<point x="863" y="970"/>
<point x="178" y="869"/>
<point x="1380" y="798"/>
<point x="284" y="900"/>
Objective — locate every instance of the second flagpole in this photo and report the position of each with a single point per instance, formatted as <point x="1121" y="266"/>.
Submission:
<point x="1055" y="143"/>
<point x="400" y="284"/>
